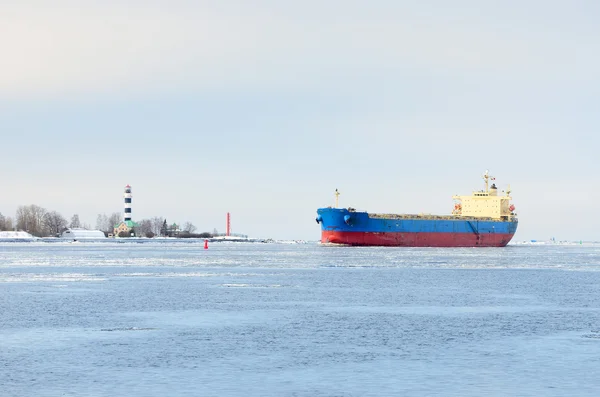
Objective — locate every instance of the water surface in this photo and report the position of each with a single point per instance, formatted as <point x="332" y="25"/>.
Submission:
<point x="170" y="318"/>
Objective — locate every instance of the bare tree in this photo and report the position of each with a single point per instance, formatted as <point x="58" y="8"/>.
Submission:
<point x="31" y="219"/>
<point x="188" y="227"/>
<point x="113" y="220"/>
<point x="5" y="223"/>
<point x="157" y="224"/>
<point x="54" y="223"/>
<point x="102" y="223"/>
<point x="144" y="228"/>
<point x="9" y="224"/>
<point x="75" y="222"/>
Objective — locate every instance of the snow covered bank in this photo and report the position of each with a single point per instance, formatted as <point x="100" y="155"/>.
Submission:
<point x="15" y="236"/>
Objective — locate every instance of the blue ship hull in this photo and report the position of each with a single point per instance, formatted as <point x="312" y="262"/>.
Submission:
<point x="343" y="226"/>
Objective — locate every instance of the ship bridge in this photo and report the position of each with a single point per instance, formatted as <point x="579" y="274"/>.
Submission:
<point x="485" y="203"/>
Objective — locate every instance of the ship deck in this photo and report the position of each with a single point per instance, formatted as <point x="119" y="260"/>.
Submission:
<point x="433" y="217"/>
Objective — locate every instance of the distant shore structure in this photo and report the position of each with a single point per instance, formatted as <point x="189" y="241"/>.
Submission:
<point x="127" y="225"/>
<point x="228" y="235"/>
<point x="127" y="199"/>
<point x="82" y="234"/>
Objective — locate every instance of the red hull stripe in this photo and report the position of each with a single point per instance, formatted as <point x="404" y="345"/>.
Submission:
<point x="417" y="239"/>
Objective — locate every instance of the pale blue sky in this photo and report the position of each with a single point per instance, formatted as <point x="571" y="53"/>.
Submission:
<point x="263" y="108"/>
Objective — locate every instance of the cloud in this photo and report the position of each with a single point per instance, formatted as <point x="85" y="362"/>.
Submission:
<point x="133" y="47"/>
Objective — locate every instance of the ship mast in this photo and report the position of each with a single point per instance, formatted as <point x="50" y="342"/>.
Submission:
<point x="337" y="198"/>
<point x="486" y="178"/>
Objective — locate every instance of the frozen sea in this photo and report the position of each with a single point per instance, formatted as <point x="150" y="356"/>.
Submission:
<point x="172" y="319"/>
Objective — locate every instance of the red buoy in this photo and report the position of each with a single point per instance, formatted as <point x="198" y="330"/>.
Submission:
<point x="205" y="244"/>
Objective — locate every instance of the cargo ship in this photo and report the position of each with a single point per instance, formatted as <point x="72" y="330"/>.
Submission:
<point x="483" y="219"/>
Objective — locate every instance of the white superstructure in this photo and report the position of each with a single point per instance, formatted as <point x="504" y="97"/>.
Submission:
<point x="485" y="203"/>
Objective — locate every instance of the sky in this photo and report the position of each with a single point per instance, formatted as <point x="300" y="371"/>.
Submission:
<point x="263" y="108"/>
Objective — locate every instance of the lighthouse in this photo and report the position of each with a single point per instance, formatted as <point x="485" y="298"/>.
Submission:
<point x="127" y="199"/>
<point x="127" y="227"/>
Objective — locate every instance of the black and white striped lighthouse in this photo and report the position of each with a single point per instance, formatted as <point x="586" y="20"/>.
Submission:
<point x="127" y="197"/>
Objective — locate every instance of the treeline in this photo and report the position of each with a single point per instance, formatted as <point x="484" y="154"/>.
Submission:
<point x="158" y="226"/>
<point x="38" y="221"/>
<point x="41" y="222"/>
